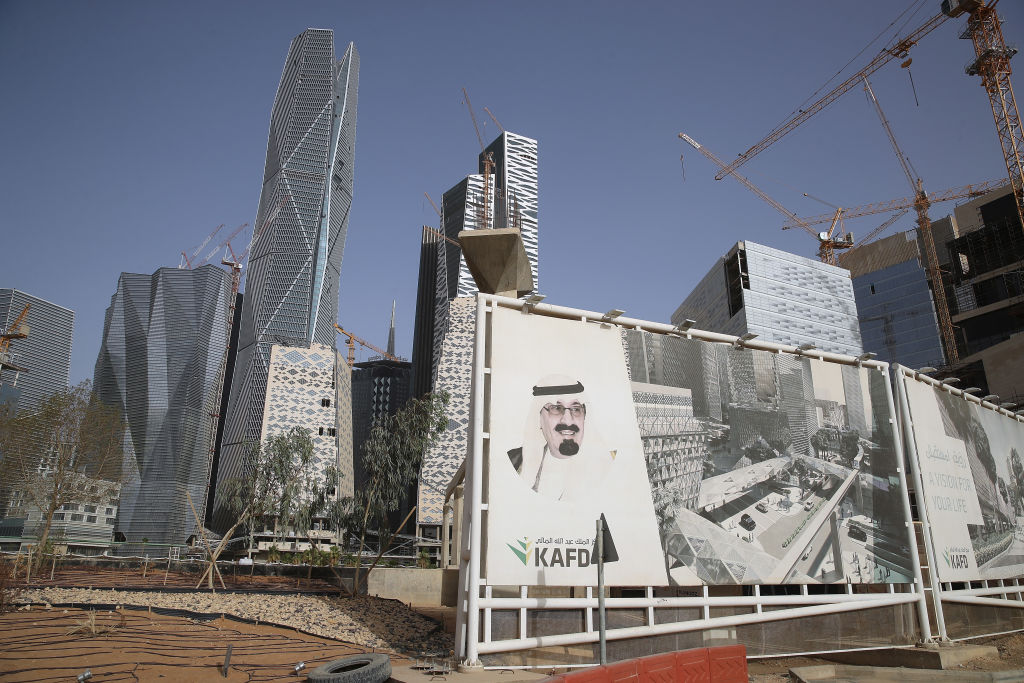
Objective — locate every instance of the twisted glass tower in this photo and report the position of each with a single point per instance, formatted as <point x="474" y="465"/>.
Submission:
<point x="291" y="292"/>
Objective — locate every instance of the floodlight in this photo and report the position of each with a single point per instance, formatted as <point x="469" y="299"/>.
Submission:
<point x="806" y="346"/>
<point x="685" y="325"/>
<point x="866" y="356"/>
<point x="991" y="397"/>
<point x="1007" y="405"/>
<point x="612" y="314"/>
<point x="744" y="339"/>
<point x="532" y="301"/>
<point x="951" y="380"/>
<point x="972" y="390"/>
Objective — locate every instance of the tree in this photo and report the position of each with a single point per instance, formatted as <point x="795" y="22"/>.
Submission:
<point x="849" y="445"/>
<point x="68" y="450"/>
<point x="391" y="459"/>
<point x="272" y="483"/>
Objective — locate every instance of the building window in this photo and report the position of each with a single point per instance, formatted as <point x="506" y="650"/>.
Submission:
<point x="110" y="521"/>
<point x="76" y="518"/>
<point x="90" y="508"/>
<point x="91" y="519"/>
<point x="330" y="431"/>
<point x="58" y="517"/>
<point x="325" y="402"/>
<point x="321" y="431"/>
<point x="110" y="511"/>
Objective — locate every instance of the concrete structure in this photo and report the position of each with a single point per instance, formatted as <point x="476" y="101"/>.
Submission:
<point x="292" y="287"/>
<point x="781" y="297"/>
<point x="45" y="353"/>
<point x="161" y="363"/>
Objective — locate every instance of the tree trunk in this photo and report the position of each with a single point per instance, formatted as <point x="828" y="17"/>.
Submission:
<point x="384" y="548"/>
<point x="43" y="537"/>
<point x="362" y="539"/>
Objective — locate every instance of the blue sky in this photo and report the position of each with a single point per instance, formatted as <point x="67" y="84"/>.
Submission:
<point x="132" y="129"/>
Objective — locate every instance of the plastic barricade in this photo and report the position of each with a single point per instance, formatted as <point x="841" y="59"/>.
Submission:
<point x="726" y="664"/>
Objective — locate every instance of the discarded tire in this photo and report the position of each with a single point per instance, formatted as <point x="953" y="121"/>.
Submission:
<point x="370" y="668"/>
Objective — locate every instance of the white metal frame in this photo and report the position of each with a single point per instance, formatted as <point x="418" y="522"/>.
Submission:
<point x="473" y="634"/>
<point x="943" y="592"/>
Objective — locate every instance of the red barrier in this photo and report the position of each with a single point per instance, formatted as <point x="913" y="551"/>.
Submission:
<point x="726" y="664"/>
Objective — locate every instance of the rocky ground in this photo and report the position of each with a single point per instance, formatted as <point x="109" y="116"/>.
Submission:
<point x="365" y="621"/>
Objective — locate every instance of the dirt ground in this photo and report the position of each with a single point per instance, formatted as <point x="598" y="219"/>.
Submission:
<point x="59" y="644"/>
<point x="1011" y="657"/>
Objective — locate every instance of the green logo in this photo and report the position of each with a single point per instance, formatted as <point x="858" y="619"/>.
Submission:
<point x="523" y="551"/>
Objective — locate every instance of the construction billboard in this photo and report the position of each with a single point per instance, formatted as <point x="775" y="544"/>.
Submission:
<point x="713" y="463"/>
<point x="969" y="457"/>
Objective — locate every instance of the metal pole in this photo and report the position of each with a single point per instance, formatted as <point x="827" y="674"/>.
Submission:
<point x="474" y="482"/>
<point x="922" y="513"/>
<point x="600" y="594"/>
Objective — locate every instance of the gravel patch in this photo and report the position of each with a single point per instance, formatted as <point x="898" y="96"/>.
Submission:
<point x="366" y="621"/>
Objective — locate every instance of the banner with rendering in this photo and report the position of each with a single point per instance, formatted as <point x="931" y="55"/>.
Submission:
<point x="972" y="478"/>
<point x="712" y="463"/>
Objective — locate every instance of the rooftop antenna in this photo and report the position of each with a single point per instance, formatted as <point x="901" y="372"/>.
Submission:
<point x="391" y="331"/>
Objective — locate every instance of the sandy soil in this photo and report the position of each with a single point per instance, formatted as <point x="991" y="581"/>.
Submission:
<point x="58" y="644"/>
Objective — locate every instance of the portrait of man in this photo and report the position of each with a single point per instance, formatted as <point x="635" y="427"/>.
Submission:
<point x="556" y="459"/>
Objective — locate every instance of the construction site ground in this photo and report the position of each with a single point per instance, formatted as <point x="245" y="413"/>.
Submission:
<point x="127" y="627"/>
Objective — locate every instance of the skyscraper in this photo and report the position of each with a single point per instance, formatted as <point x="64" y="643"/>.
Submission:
<point x="165" y="340"/>
<point x="292" y="287"/>
<point x="45" y="353"/>
<point x="502" y="194"/>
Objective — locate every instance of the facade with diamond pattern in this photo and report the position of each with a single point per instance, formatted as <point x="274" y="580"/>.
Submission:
<point x="292" y="287"/>
<point x="161" y="362"/>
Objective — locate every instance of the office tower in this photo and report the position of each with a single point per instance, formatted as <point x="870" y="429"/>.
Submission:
<point x="781" y="297"/>
<point x="895" y="308"/>
<point x="502" y="194"/>
<point x="44" y="355"/>
<point x="161" y="363"/>
<point x="291" y="293"/>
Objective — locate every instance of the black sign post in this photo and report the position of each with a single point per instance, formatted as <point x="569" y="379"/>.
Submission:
<point x="605" y="551"/>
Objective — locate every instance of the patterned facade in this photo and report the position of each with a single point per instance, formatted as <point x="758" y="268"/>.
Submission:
<point x="45" y="353"/>
<point x="781" y="297"/>
<point x="454" y="375"/>
<point x="310" y="388"/>
<point x="161" y="363"/>
<point x="302" y="221"/>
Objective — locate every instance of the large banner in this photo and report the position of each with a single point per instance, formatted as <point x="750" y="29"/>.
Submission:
<point x="973" y="483"/>
<point x="711" y="463"/>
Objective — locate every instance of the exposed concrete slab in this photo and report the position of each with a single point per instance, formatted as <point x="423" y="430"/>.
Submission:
<point x="497" y="260"/>
<point x="946" y="656"/>
<point x="845" y="673"/>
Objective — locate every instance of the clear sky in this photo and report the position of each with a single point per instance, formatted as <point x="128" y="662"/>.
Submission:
<point x="131" y="129"/>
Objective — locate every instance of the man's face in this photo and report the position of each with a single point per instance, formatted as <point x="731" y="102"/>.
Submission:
<point x="561" y="421"/>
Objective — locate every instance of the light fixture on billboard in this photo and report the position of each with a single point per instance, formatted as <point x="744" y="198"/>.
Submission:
<point x="806" y="346"/>
<point x="990" y="397"/>
<point x="971" y="390"/>
<point x="865" y="356"/>
<point x="532" y="301"/>
<point x="742" y="341"/>
<point x="1007" y="405"/>
<point x="612" y="315"/>
<point x="923" y="371"/>
<point x="685" y="325"/>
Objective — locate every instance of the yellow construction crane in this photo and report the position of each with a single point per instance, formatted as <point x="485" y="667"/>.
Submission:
<point x="351" y="341"/>
<point x="827" y="242"/>
<point x="992" y="63"/>
<point x="924" y="229"/>
<point x="17" y="330"/>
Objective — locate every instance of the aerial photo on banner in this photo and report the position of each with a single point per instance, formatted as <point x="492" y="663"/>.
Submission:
<point x="712" y="464"/>
<point x="973" y="483"/>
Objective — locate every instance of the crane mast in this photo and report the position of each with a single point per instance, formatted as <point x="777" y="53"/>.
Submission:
<point x="924" y="228"/>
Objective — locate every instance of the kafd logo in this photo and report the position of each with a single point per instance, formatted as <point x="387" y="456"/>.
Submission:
<point x="956" y="560"/>
<point x="524" y="550"/>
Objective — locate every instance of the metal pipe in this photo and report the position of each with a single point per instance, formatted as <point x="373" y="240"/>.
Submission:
<point x="988" y="602"/>
<point x="476" y="478"/>
<point x="643" y="603"/>
<point x="693" y="625"/>
<point x="922" y="510"/>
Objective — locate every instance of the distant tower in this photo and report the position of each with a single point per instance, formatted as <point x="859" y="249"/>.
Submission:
<point x="391" y="331"/>
<point x="292" y="288"/>
<point x="45" y="353"/>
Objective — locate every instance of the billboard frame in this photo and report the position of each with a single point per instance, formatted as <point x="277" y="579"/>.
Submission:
<point x="943" y="592"/>
<point x="475" y="597"/>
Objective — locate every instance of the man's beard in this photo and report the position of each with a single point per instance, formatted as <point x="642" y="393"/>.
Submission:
<point x="568" y="447"/>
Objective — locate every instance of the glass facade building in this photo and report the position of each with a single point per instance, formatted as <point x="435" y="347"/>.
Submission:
<point x="895" y="307"/>
<point x="292" y="287"/>
<point x="781" y="297"/>
<point x="161" y="362"/>
<point x="45" y="354"/>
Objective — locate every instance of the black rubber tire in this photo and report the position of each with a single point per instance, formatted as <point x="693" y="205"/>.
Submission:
<point x="367" y="668"/>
